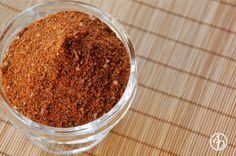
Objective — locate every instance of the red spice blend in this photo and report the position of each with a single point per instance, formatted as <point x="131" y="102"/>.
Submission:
<point x="64" y="70"/>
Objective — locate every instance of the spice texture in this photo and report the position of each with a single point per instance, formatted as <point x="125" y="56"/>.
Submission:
<point x="65" y="70"/>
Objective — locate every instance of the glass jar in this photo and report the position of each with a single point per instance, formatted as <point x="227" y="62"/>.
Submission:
<point x="75" y="139"/>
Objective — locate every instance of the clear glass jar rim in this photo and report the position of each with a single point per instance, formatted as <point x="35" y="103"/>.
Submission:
<point x="130" y="89"/>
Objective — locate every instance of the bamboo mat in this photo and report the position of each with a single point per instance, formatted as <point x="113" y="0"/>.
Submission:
<point x="186" y="52"/>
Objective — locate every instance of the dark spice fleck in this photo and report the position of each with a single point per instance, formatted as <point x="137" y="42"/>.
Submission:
<point x="66" y="69"/>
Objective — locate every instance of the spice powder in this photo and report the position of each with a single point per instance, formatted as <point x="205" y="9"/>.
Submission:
<point x="64" y="70"/>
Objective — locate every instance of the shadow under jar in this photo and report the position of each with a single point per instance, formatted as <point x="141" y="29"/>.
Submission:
<point x="80" y="138"/>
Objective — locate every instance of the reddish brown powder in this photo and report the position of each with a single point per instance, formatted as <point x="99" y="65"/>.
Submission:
<point x="66" y="69"/>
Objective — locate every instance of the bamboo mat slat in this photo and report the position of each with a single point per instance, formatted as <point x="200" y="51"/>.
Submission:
<point x="187" y="87"/>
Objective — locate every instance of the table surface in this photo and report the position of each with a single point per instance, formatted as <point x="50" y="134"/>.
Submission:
<point x="186" y="52"/>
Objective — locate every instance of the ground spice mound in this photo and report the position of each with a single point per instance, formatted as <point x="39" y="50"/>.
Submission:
<point x="64" y="70"/>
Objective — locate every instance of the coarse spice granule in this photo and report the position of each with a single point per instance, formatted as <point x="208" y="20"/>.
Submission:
<point x="65" y="70"/>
